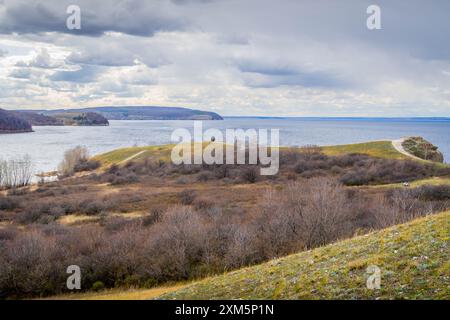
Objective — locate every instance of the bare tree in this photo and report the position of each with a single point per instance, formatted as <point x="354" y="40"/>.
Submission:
<point x="304" y="214"/>
<point x="16" y="173"/>
<point x="71" y="159"/>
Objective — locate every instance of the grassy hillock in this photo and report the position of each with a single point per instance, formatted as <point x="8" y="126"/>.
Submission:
<point x="413" y="258"/>
<point x="379" y="149"/>
<point x="122" y="155"/>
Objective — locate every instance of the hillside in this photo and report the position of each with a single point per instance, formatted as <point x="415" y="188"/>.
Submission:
<point x="413" y="258"/>
<point x="38" y="119"/>
<point x="379" y="149"/>
<point x="141" y="207"/>
<point x="145" y="113"/>
<point x="10" y="123"/>
<point x="81" y="119"/>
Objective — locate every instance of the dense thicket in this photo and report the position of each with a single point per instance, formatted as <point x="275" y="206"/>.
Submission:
<point x="191" y="240"/>
<point x="9" y="123"/>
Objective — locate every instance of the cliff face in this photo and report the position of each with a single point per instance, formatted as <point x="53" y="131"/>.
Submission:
<point x="423" y="149"/>
<point x="10" y="123"/>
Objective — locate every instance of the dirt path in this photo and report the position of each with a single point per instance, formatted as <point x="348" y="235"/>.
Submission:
<point x="132" y="157"/>
<point x="398" y="146"/>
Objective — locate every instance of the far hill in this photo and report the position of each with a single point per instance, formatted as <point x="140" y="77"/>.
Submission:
<point x="144" y="113"/>
<point x="81" y="119"/>
<point x="10" y="123"/>
<point x="38" y="119"/>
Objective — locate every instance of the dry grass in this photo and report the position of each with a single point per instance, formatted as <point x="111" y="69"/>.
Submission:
<point x="72" y="219"/>
<point x="132" y="294"/>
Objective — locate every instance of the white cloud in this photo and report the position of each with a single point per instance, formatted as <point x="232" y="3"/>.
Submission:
<point x="254" y="57"/>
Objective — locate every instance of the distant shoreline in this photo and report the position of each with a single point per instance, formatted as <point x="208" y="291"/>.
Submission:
<point x="15" y="131"/>
<point x="417" y="119"/>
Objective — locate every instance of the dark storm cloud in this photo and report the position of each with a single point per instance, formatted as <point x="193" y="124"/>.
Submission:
<point x="270" y="76"/>
<point x="418" y="28"/>
<point x="305" y="79"/>
<point x="266" y="69"/>
<point x="138" y="17"/>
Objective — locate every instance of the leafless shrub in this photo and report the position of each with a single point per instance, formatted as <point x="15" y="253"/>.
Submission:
<point x="190" y="241"/>
<point x="205" y="176"/>
<point x="431" y="193"/>
<point x="187" y="197"/>
<point x="16" y="173"/>
<point x="153" y="216"/>
<point x="8" y="203"/>
<point x="303" y="215"/>
<point x="127" y="179"/>
<point x="8" y="233"/>
<point x="73" y="158"/>
<point x="250" y="174"/>
<point x="86" y="165"/>
<point x="202" y="204"/>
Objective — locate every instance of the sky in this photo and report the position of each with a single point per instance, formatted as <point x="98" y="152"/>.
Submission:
<point x="233" y="57"/>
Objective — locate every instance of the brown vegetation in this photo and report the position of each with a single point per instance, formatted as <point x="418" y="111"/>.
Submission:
<point x="196" y="220"/>
<point x="76" y="160"/>
<point x="15" y="173"/>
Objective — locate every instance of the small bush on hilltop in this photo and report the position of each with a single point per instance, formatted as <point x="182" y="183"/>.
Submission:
<point x="72" y="159"/>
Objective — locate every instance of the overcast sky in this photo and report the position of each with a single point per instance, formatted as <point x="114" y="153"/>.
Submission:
<point x="235" y="57"/>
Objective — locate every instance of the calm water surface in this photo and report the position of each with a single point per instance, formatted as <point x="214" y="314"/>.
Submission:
<point x="47" y="145"/>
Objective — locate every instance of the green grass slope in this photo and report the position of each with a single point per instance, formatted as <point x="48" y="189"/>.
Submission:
<point x="120" y="155"/>
<point x="413" y="258"/>
<point x="379" y="149"/>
